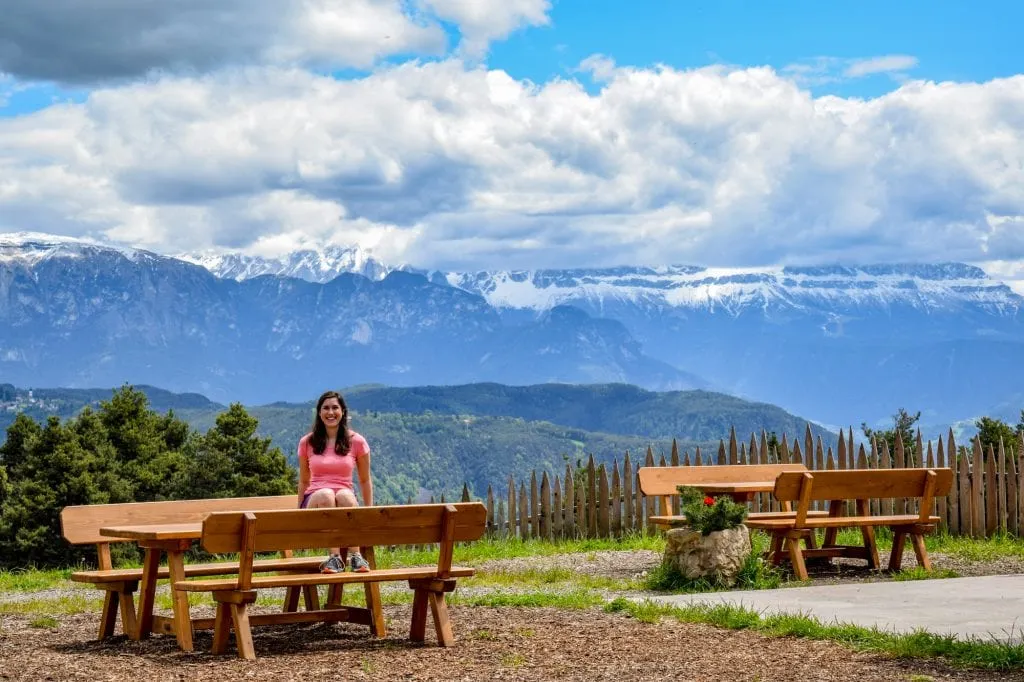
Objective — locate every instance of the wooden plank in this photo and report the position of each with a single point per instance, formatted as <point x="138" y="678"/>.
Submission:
<point x="977" y="490"/>
<point x="991" y="494"/>
<point x="556" y="509"/>
<point x="341" y="527"/>
<point x="627" y="494"/>
<point x="656" y="481"/>
<point x="721" y="453"/>
<point x="784" y="455"/>
<point x="964" y="484"/>
<point x="616" y="511"/>
<point x="887" y="507"/>
<point x="535" y="511"/>
<point x="899" y="462"/>
<point x="942" y="502"/>
<point x="446" y="549"/>
<point x="513" y="509"/>
<point x="603" y="529"/>
<point x="1004" y="495"/>
<point x="797" y="454"/>
<point x="639" y="510"/>
<point x="545" y="507"/>
<point x="860" y="484"/>
<point x="1012" y="483"/>
<point x="841" y="451"/>
<point x="80" y="524"/>
<point x="592" y="496"/>
<point x="490" y="511"/>
<point x="569" y="500"/>
<point x="299" y="580"/>
<point x="733" y="453"/>
<point x="1020" y="494"/>
<point x="524" y="513"/>
<point x="581" y="510"/>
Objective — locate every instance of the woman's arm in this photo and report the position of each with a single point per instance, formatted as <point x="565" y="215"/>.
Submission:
<point x="365" y="482"/>
<point x="303" y="477"/>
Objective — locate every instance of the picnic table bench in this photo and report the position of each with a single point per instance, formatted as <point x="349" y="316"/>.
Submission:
<point x="82" y="524"/>
<point x="860" y="486"/>
<point x="263" y="531"/>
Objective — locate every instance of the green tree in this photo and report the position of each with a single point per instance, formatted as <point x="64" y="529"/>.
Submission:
<point x="231" y="460"/>
<point x="62" y="466"/>
<point x="992" y="431"/>
<point x="1020" y="424"/>
<point x="903" y="426"/>
<point x="21" y="435"/>
<point x="148" y="446"/>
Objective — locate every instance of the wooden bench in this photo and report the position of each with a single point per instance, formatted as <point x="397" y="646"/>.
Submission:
<point x="81" y="525"/>
<point x="662" y="482"/>
<point x="264" y="531"/>
<point x="859" y="485"/>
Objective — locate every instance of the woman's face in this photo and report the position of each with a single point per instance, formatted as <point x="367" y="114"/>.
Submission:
<point x="331" y="413"/>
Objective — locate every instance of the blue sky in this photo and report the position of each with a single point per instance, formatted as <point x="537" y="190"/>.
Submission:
<point x="521" y="133"/>
<point x="950" y="40"/>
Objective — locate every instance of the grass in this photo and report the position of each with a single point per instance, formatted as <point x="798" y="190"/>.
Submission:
<point x="973" y="653"/>
<point x="43" y="622"/>
<point x="918" y="573"/>
<point x="487" y="549"/>
<point x="56" y="606"/>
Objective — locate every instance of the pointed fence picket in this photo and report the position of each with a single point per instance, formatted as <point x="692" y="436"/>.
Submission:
<point x="604" y="499"/>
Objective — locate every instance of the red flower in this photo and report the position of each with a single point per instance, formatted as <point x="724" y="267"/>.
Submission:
<point x="709" y="501"/>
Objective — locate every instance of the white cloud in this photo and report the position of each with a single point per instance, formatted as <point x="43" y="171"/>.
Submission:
<point x="825" y="70"/>
<point x="441" y="165"/>
<point x="886" y="64"/>
<point x="483" y="21"/>
<point x="76" y="42"/>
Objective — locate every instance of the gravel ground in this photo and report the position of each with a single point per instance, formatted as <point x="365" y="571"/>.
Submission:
<point x="506" y="643"/>
<point x="501" y="644"/>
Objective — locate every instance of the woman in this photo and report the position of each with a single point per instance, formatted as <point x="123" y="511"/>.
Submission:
<point x="327" y="456"/>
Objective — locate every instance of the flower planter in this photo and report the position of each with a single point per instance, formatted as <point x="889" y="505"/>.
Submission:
<point x="717" y="557"/>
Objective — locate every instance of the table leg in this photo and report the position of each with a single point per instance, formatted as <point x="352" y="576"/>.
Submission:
<point x="147" y="596"/>
<point x="182" y="618"/>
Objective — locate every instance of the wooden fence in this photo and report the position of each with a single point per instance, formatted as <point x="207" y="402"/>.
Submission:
<point x="605" y="501"/>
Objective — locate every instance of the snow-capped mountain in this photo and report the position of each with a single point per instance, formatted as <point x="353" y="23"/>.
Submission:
<point x="733" y="290"/>
<point x="77" y="314"/>
<point x="835" y="344"/>
<point x="312" y="265"/>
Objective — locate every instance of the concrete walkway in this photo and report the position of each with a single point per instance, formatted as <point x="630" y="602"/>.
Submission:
<point x="985" y="607"/>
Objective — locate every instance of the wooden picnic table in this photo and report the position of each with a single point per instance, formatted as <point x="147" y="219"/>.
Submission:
<point x="172" y="539"/>
<point x="740" y="491"/>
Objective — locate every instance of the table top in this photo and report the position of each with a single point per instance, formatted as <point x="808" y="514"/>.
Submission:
<point x="156" y="531"/>
<point x="735" y="486"/>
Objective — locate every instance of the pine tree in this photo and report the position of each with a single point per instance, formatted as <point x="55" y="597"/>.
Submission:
<point x="231" y="460"/>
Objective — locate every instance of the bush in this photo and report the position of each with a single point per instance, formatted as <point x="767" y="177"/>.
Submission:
<point x="709" y="514"/>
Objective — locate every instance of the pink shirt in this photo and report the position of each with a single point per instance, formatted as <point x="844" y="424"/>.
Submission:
<point x="331" y="470"/>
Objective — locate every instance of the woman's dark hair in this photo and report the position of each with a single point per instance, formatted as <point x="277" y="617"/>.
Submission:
<point x="318" y="439"/>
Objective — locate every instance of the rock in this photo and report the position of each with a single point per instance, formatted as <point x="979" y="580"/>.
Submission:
<point x="717" y="557"/>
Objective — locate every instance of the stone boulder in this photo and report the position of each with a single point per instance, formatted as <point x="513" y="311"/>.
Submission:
<point x="717" y="557"/>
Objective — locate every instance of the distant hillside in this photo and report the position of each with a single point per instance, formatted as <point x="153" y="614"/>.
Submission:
<point x="40" y="403"/>
<point x="429" y="440"/>
<point x="609" y="408"/>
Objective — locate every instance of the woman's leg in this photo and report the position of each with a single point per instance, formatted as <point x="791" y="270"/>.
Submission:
<point x="325" y="497"/>
<point x="347" y="498"/>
